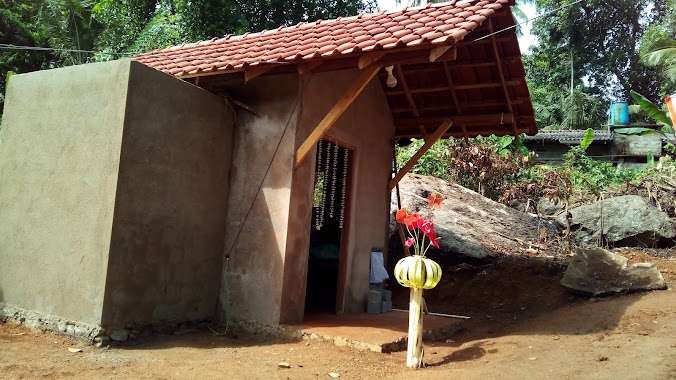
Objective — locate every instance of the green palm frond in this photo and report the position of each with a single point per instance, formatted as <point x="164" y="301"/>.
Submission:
<point x="665" y="55"/>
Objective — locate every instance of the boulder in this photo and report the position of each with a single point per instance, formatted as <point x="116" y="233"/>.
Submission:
<point x="625" y="221"/>
<point x="468" y="223"/>
<point x="597" y="272"/>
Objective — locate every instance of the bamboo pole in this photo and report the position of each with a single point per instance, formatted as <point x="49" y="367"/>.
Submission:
<point x="414" y="353"/>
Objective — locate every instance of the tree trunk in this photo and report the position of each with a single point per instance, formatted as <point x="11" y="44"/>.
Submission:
<point x="414" y="354"/>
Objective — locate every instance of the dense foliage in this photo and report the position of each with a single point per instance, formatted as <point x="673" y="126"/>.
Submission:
<point x="131" y="26"/>
<point x="594" y="52"/>
<point x="502" y="169"/>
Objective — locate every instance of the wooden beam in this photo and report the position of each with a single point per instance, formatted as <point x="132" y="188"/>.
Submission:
<point x="409" y="98"/>
<point x="332" y="116"/>
<point x="438" y="52"/>
<point x="472" y="86"/>
<point x="457" y="132"/>
<point x="446" y="106"/>
<point x="449" y="80"/>
<point x="495" y="118"/>
<point x="257" y="71"/>
<point x="485" y="85"/>
<point x="306" y="68"/>
<point x="501" y="74"/>
<point x="464" y="132"/>
<point x="414" y="159"/>
<point x="369" y="58"/>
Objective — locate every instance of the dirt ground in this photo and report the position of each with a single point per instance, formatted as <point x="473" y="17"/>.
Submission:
<point x="523" y="326"/>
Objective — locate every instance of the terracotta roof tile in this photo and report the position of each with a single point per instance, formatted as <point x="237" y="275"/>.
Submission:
<point x="433" y="24"/>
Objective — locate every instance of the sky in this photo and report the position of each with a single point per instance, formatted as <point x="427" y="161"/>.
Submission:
<point x="524" y="42"/>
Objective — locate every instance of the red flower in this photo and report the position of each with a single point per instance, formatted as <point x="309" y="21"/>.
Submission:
<point x="435" y="201"/>
<point x="427" y="227"/>
<point x="401" y="214"/>
<point x="409" y="242"/>
<point x="412" y="220"/>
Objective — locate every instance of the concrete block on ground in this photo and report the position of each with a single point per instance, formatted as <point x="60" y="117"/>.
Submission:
<point x="373" y="307"/>
<point x="375" y="296"/>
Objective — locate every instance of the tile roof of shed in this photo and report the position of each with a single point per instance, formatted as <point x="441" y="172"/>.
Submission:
<point x="434" y="24"/>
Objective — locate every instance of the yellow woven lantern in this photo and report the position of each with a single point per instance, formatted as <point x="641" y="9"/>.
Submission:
<point x="417" y="272"/>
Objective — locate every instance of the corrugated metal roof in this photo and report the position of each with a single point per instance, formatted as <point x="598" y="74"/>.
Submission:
<point x="569" y="136"/>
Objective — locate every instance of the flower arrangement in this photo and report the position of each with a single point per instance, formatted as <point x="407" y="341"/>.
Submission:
<point x="420" y="228"/>
<point x="418" y="272"/>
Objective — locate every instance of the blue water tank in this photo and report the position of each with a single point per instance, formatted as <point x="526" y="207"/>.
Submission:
<point x="618" y="113"/>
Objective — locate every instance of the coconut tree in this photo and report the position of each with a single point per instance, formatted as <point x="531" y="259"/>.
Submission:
<point x="658" y="47"/>
<point x="68" y="25"/>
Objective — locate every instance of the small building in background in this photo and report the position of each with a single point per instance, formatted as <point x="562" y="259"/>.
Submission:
<point x="621" y="145"/>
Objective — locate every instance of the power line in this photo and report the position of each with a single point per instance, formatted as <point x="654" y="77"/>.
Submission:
<point x="38" y="48"/>
<point x="529" y="20"/>
<point x="152" y="55"/>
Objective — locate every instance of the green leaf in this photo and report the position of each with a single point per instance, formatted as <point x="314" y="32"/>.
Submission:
<point x="587" y="139"/>
<point x="505" y="141"/>
<point x="651" y="109"/>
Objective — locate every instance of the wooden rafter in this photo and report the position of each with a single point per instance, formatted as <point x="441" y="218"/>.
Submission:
<point x="472" y="86"/>
<point x="454" y="96"/>
<point x="494" y="46"/>
<point x="464" y="106"/>
<point x="257" y="71"/>
<point x="306" y="68"/>
<point x="445" y="125"/>
<point x="453" y="132"/>
<point x="487" y="119"/>
<point x="409" y="98"/>
<point x="439" y="51"/>
<point x="369" y="58"/>
<point x="332" y="116"/>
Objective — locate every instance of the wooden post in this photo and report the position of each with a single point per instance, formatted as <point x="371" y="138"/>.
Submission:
<point x="414" y="354"/>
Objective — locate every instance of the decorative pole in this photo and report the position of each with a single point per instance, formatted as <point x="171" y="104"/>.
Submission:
<point x="417" y="272"/>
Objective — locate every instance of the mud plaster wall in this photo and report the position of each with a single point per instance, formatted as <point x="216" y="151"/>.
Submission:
<point x="167" y="238"/>
<point x="253" y="274"/>
<point x="367" y="125"/>
<point x="59" y="154"/>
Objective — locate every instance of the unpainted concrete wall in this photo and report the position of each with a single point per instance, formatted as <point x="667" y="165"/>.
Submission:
<point x="113" y="191"/>
<point x="257" y="221"/>
<point x="366" y="125"/>
<point x="59" y="155"/>
<point x="170" y="210"/>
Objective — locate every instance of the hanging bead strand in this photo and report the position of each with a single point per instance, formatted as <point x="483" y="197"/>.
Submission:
<point x="326" y="178"/>
<point x="342" y="191"/>
<point x="318" y="170"/>
<point x="334" y="174"/>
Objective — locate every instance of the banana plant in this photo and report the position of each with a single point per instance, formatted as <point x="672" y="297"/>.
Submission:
<point x="652" y="109"/>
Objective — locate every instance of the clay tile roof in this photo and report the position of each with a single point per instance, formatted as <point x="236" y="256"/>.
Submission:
<point x="428" y="25"/>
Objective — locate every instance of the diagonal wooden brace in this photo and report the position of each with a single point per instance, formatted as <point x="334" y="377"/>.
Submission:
<point x="332" y="116"/>
<point x="414" y="159"/>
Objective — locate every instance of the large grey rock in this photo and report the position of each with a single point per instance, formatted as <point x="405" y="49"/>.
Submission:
<point x="600" y="272"/>
<point x="627" y="221"/>
<point x="469" y="223"/>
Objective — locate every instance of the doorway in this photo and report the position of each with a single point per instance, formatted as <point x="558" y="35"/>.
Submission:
<point x="327" y="259"/>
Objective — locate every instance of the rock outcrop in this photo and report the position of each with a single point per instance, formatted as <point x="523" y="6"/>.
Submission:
<point x="620" y="222"/>
<point x="597" y="272"/>
<point x="468" y="223"/>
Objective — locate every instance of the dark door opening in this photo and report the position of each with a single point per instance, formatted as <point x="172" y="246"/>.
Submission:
<point x="326" y="270"/>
